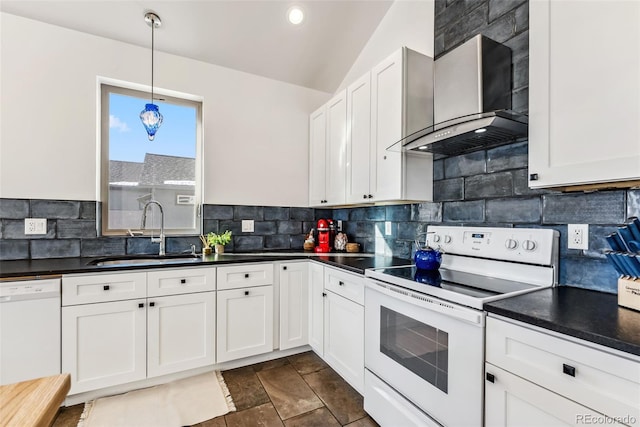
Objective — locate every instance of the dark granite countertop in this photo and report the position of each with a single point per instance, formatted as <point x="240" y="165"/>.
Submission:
<point x="355" y="263"/>
<point x="589" y="315"/>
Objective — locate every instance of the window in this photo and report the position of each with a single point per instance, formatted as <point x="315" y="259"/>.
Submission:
<point x="136" y="170"/>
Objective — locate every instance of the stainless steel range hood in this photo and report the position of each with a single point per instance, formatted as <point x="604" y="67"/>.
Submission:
<point x="472" y="102"/>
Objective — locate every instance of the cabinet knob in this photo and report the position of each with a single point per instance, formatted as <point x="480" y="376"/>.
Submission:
<point x="491" y="378"/>
<point x="140" y="304"/>
<point x="152" y="304"/>
<point x="183" y="281"/>
<point x="533" y="177"/>
<point x="284" y="267"/>
<point x="246" y="292"/>
<point x="370" y="196"/>
<point x="324" y="294"/>
<point x="569" y="370"/>
<point x="246" y="275"/>
<point x="364" y="196"/>
<point x="105" y="287"/>
<point x="341" y="283"/>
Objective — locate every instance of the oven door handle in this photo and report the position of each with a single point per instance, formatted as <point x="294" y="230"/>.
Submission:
<point x="427" y="302"/>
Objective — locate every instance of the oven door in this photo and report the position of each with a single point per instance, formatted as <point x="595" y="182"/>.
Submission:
<point x="428" y="350"/>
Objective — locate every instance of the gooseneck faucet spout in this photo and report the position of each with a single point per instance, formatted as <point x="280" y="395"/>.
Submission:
<point x="144" y="221"/>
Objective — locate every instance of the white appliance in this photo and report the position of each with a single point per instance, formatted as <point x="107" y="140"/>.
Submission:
<point x="29" y="329"/>
<point x="424" y="331"/>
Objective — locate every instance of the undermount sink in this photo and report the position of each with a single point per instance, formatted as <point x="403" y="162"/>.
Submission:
<point x="145" y="259"/>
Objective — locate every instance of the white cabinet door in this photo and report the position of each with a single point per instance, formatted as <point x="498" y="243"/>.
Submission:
<point x="180" y="332"/>
<point x="584" y="92"/>
<point x="359" y="152"/>
<point x="316" y="307"/>
<point x="104" y="344"/>
<point x="336" y="149"/>
<point x="344" y="338"/>
<point x="180" y="281"/>
<point x="511" y="401"/>
<point x="294" y="305"/>
<point x="387" y="126"/>
<point x="245" y="322"/>
<point x="317" y="156"/>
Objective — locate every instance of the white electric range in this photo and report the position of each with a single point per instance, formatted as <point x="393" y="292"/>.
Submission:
<point x="424" y="330"/>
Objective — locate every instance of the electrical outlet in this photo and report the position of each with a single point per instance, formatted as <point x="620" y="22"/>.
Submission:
<point x="35" y="226"/>
<point x="339" y="225"/>
<point x="578" y="236"/>
<point x="387" y="228"/>
<point x="247" y="226"/>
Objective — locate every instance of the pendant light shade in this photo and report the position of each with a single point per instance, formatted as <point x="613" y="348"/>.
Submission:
<point x="150" y="116"/>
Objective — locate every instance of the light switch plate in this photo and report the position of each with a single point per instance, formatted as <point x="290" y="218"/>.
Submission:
<point x="387" y="228"/>
<point x="35" y="226"/>
<point x="247" y="226"/>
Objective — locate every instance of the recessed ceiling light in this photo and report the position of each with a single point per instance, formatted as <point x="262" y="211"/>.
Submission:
<point x="480" y="130"/>
<point x="422" y="147"/>
<point x="295" y="15"/>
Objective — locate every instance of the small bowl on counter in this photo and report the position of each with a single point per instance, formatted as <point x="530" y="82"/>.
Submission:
<point x="353" y="247"/>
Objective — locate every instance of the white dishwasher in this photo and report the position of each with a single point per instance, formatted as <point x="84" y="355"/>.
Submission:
<point x="29" y="329"/>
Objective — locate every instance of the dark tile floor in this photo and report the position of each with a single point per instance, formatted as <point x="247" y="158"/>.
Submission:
<point x="294" y="391"/>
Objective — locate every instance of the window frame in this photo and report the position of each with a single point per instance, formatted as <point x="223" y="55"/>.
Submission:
<point x="121" y="88"/>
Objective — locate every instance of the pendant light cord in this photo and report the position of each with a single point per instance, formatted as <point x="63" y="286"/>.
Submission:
<point x="153" y="24"/>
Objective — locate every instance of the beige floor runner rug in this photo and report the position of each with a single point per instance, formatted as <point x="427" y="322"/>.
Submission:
<point x="179" y="403"/>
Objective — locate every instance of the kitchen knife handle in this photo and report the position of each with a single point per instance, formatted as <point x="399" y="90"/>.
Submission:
<point x="614" y="241"/>
<point x="613" y="259"/>
<point x="625" y="236"/>
<point x="634" y="227"/>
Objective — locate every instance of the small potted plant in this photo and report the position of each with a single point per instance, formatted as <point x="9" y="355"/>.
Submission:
<point x="219" y="240"/>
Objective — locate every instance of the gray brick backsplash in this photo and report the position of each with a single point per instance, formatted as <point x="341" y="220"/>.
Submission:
<point x="514" y="210"/>
<point x="633" y="203"/>
<point x="373" y="213"/>
<point x="14" y="208"/>
<point x="76" y="228"/>
<point x="519" y="46"/>
<point x="521" y="184"/>
<point x="210" y="225"/>
<point x="327" y="213"/>
<point x="217" y="212"/>
<point x="511" y="156"/>
<point x="264" y="227"/>
<point x="522" y="17"/>
<point x="14" y="229"/>
<point x="498" y="8"/>
<point x="606" y="207"/>
<point x="438" y="170"/>
<point x="520" y="102"/>
<point x="302" y="214"/>
<point x="380" y="230"/>
<point x="88" y="210"/>
<point x="277" y="242"/>
<point x="289" y="227"/>
<point x="448" y="190"/>
<point x="398" y="213"/>
<point x="234" y="226"/>
<point x="488" y="185"/>
<point x="471" y="23"/>
<point x="341" y="214"/>
<point x="248" y="212"/>
<point x="463" y="211"/>
<point x="67" y="248"/>
<point x="296" y="241"/>
<point x="248" y="243"/>
<point x="142" y="245"/>
<point x="502" y="29"/>
<point x="597" y="241"/>
<point x="438" y="45"/>
<point x="308" y="225"/>
<point x="588" y="273"/>
<point x="275" y="213"/>
<point x="465" y="165"/>
<point x="177" y="245"/>
<point x="14" y="249"/>
<point x="521" y="72"/>
<point x="427" y="211"/>
<point x="103" y="246"/>
<point x="408" y="230"/>
<point x="62" y="209"/>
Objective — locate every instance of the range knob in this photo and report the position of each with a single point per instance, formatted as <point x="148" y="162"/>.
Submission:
<point x="447" y="239"/>
<point x="436" y="238"/>
<point x="529" y="245"/>
<point x="511" y="244"/>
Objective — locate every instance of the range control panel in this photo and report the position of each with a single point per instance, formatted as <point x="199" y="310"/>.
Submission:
<point x="529" y="245"/>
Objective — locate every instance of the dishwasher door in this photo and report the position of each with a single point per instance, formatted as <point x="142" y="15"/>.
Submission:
<point x="29" y="329"/>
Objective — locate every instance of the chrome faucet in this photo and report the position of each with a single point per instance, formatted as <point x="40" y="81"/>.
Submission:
<point x="144" y="221"/>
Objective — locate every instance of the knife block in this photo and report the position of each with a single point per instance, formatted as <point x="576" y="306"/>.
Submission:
<point x="629" y="293"/>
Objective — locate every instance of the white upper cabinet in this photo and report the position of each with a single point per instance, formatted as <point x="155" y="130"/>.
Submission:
<point x="327" y="160"/>
<point x="584" y="92"/>
<point x="360" y="158"/>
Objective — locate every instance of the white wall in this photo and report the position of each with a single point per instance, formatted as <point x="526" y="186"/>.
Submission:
<point x="256" y="129"/>
<point x="408" y="23"/>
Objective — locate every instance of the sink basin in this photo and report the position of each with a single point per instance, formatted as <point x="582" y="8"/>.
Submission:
<point x="145" y="259"/>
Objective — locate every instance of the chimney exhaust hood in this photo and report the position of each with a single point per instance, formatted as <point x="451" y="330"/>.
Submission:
<point x="472" y="102"/>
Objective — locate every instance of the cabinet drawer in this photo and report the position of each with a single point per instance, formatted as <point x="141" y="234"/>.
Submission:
<point x="84" y="289"/>
<point x="602" y="381"/>
<point x="245" y="275"/>
<point x="183" y="281"/>
<point x="347" y="285"/>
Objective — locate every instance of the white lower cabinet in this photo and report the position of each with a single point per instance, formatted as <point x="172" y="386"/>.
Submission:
<point x="180" y="332"/>
<point x="336" y="321"/>
<point x="104" y="344"/>
<point x="245" y="322"/>
<point x="294" y="305"/>
<point x="536" y="377"/>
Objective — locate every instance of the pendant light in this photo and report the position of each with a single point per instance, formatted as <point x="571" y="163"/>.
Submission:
<point x="150" y="116"/>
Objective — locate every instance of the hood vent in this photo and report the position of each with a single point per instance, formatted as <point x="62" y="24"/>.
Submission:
<point x="472" y="102"/>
